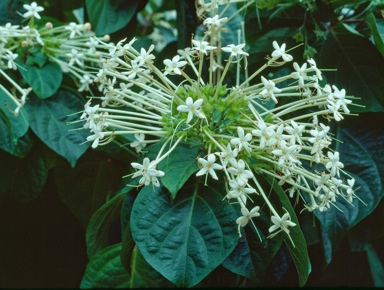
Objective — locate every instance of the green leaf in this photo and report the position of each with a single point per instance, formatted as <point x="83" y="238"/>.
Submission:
<point x="142" y="275"/>
<point x="362" y="77"/>
<point x="261" y="45"/>
<point x="185" y="239"/>
<point x="377" y="269"/>
<point x="371" y="22"/>
<point x="48" y="120"/>
<point x="178" y="166"/>
<point x="85" y="188"/>
<point x="362" y="155"/>
<point x="12" y="128"/>
<point x="109" y="16"/>
<point x="104" y="270"/>
<point x="23" y="179"/>
<point x="250" y="258"/>
<point x="128" y="244"/>
<point x="45" y="80"/>
<point x="98" y="226"/>
<point x="299" y="250"/>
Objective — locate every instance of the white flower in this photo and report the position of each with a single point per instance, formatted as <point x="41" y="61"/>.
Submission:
<point x="296" y="131"/>
<point x="334" y="109"/>
<point x="173" y="66"/>
<point x="191" y="108"/>
<point x="334" y="164"/>
<point x="85" y="82"/>
<point x="300" y="74"/>
<point x="339" y="97"/>
<point x="138" y="143"/>
<point x="242" y="141"/>
<point x="209" y="166"/>
<point x="148" y="172"/>
<point x="228" y="155"/>
<point x="98" y="135"/>
<point x="11" y="57"/>
<point x="215" y="21"/>
<point x="235" y="49"/>
<point x="242" y="175"/>
<point x="269" y="89"/>
<point x="145" y="56"/>
<point x="74" y="29"/>
<point x="32" y="10"/>
<point x="314" y="68"/>
<point x="280" y="51"/>
<point x="264" y="132"/>
<point x="202" y="46"/>
<point x="281" y="222"/>
<point x="239" y="191"/>
<point x="246" y="216"/>
<point x="75" y="57"/>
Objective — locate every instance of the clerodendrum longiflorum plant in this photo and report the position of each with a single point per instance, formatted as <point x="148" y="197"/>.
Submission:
<point x="238" y="137"/>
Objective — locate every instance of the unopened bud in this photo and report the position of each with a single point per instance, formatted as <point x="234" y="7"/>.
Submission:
<point x="49" y="25"/>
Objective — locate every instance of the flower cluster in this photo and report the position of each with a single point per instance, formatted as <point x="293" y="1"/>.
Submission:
<point x="72" y="46"/>
<point x="242" y="139"/>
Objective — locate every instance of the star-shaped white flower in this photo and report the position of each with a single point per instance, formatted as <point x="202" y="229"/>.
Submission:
<point x="243" y="140"/>
<point x="192" y="108"/>
<point x="246" y="216"/>
<point x="281" y="223"/>
<point x="202" y="46"/>
<point x="269" y="89"/>
<point x="235" y="49"/>
<point x="334" y="164"/>
<point x="173" y="66"/>
<point x="280" y="52"/>
<point x="148" y="172"/>
<point x="209" y="166"/>
<point x="32" y="10"/>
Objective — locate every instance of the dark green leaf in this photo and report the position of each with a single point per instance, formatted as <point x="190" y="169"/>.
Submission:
<point x="185" y="239"/>
<point x="250" y="258"/>
<point x="45" y="80"/>
<point x="12" y="128"/>
<point x="104" y="270"/>
<point x="24" y="178"/>
<point x="85" y="188"/>
<point x="98" y="226"/>
<point x="362" y="154"/>
<point x="299" y="250"/>
<point x="7" y="11"/>
<point x="128" y="244"/>
<point x="362" y="77"/>
<point x="143" y="275"/>
<point x="377" y="269"/>
<point x="371" y="21"/>
<point x="178" y="167"/>
<point x="109" y="16"/>
<point x="48" y="120"/>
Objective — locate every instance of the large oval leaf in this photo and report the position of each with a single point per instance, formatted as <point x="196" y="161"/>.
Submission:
<point x="109" y="16"/>
<point x="48" y="120"/>
<point x="185" y="239"/>
<point x="104" y="270"/>
<point x="45" y="80"/>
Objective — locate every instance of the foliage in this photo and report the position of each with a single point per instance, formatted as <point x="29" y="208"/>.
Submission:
<point x="182" y="233"/>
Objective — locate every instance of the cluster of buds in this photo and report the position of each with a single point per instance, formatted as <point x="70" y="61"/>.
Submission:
<point x="240" y="137"/>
